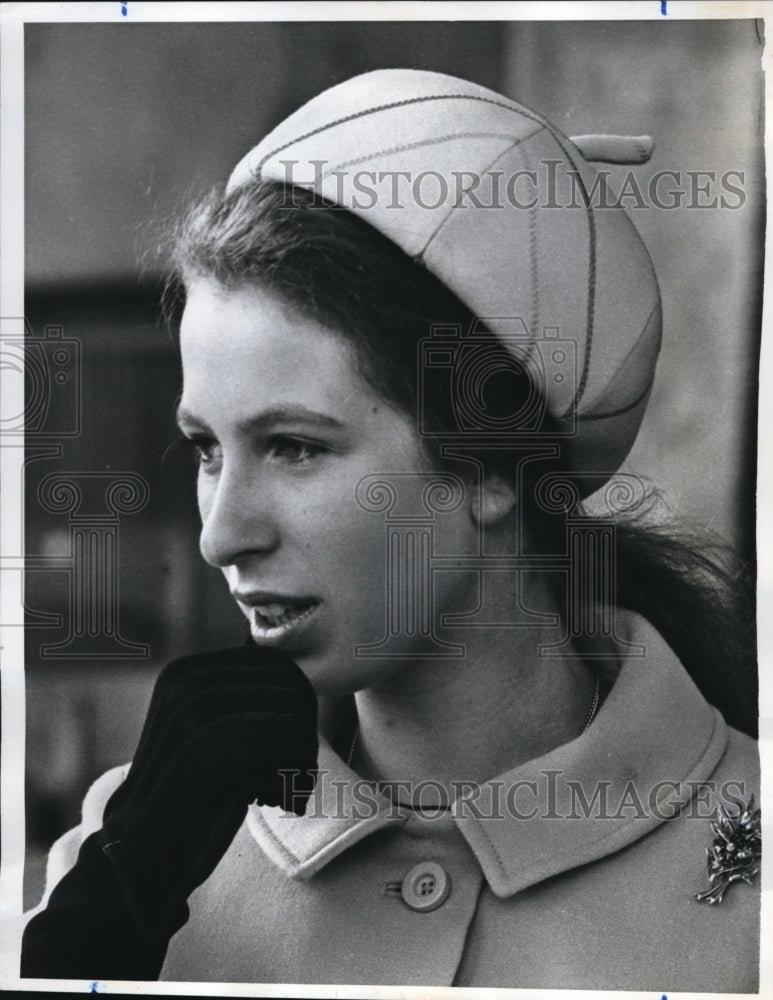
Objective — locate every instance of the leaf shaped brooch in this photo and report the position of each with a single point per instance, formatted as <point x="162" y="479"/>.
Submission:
<point x="735" y="852"/>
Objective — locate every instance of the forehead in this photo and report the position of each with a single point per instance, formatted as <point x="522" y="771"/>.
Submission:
<point x="248" y="342"/>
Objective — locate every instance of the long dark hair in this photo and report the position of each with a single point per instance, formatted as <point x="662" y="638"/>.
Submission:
<point x="342" y="272"/>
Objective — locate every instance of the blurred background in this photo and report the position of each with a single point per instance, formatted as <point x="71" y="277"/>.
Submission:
<point x="123" y="121"/>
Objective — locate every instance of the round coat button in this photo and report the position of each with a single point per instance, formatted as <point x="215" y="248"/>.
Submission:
<point x="426" y="886"/>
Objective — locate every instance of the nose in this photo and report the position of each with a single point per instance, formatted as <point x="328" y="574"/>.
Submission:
<point x="237" y="518"/>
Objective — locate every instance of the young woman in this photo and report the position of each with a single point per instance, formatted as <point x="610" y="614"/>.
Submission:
<point x="411" y="344"/>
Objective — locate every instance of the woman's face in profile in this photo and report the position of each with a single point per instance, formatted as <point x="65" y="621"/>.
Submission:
<point x="285" y="427"/>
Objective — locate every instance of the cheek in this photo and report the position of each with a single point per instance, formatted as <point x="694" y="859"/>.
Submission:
<point x="205" y="489"/>
<point x="353" y="549"/>
<point x="355" y="544"/>
<point x="203" y="497"/>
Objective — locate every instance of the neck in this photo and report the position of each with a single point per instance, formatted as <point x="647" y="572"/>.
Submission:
<point x="472" y="718"/>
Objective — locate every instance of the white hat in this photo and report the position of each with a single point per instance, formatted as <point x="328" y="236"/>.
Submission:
<point x="501" y="207"/>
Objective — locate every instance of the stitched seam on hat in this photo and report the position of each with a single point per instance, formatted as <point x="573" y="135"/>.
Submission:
<point x="621" y="411"/>
<point x="418" y="145"/>
<point x="489" y="165"/>
<point x="388" y="107"/>
<point x="635" y="403"/>
<point x="533" y="251"/>
<point x="591" y="311"/>
<point x="567" y="151"/>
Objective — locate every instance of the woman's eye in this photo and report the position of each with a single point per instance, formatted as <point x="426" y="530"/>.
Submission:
<point x="206" y="450"/>
<point x="295" y="451"/>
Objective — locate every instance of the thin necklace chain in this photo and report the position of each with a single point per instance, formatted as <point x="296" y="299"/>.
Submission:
<point x="594" y="707"/>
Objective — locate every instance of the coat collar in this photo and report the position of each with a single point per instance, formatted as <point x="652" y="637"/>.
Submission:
<point x="653" y="738"/>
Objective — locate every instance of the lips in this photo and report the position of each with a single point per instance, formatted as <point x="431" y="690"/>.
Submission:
<point x="275" y="618"/>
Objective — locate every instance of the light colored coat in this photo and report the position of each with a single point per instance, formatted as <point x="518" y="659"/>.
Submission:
<point x="549" y="886"/>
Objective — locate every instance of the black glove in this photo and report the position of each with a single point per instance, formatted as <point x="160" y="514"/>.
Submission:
<point x="220" y="729"/>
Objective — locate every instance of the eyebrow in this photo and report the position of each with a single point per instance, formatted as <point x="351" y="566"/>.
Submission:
<point x="274" y="415"/>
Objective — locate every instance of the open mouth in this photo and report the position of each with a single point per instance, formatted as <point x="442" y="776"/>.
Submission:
<point x="274" y="622"/>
